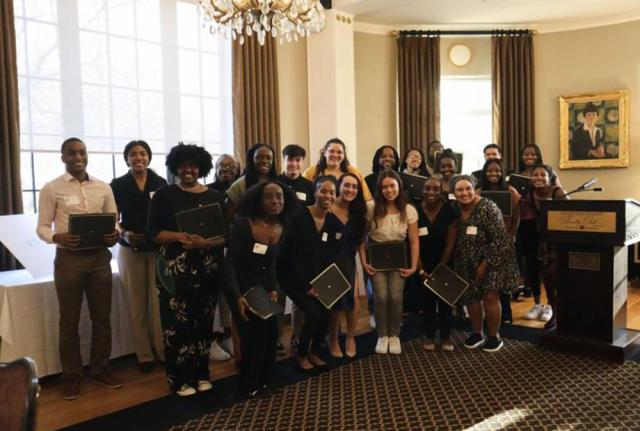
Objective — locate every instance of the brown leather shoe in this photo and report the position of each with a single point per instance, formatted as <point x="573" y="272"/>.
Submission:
<point x="70" y="388"/>
<point x="107" y="380"/>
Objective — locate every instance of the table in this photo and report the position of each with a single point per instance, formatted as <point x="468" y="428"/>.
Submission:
<point x="29" y="321"/>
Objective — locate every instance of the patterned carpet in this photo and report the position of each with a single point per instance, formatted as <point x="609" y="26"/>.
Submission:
<point x="519" y="388"/>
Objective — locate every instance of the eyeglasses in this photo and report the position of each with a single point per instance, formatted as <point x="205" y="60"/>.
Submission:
<point x="227" y="165"/>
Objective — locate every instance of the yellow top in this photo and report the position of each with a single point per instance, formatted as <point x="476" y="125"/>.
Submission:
<point x="311" y="174"/>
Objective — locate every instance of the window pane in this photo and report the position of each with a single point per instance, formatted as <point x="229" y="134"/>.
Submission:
<point x="189" y="72"/>
<point x="151" y="115"/>
<point x="18" y="7"/>
<point x="125" y="113"/>
<point x="150" y="66"/>
<point x="97" y="110"/>
<point x="148" y="20"/>
<point x="188" y="24"/>
<point x="212" y="123"/>
<point x="121" y="166"/>
<point x="122" y="61"/>
<point x="92" y="15"/>
<point x="42" y="50"/>
<point x="95" y="144"/>
<point x="47" y="167"/>
<point x="43" y="10"/>
<point x="191" y="119"/>
<point x="101" y="166"/>
<point x="157" y="164"/>
<point x="23" y="95"/>
<point x="25" y="170"/>
<point x="93" y="58"/>
<point x="211" y="72"/>
<point x="28" y="206"/>
<point x="121" y="17"/>
<point x="25" y="140"/>
<point x="47" y="142"/>
<point x="46" y="106"/>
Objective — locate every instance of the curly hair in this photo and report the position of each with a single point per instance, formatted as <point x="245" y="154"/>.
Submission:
<point x="189" y="153"/>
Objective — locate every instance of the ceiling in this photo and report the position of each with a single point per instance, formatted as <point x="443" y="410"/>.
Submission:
<point x="542" y="15"/>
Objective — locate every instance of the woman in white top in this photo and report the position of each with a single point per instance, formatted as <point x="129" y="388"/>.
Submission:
<point x="390" y="218"/>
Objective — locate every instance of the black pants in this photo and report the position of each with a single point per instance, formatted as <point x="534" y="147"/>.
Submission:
<point x="316" y="322"/>
<point x="433" y="317"/>
<point x="528" y="242"/>
<point x="258" y="343"/>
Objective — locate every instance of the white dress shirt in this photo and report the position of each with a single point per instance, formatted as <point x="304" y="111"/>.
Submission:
<point x="66" y="195"/>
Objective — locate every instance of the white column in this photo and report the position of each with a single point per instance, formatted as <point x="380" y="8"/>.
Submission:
<point x="331" y="85"/>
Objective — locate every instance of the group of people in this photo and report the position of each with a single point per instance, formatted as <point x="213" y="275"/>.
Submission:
<point x="285" y="229"/>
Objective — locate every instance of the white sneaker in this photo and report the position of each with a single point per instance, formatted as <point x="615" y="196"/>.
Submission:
<point x="534" y="313"/>
<point x="204" y="385"/>
<point x="382" y="346"/>
<point x="547" y="313"/>
<point x="217" y="353"/>
<point x="372" y="322"/>
<point x="185" y="391"/>
<point x="227" y="344"/>
<point x="394" y="345"/>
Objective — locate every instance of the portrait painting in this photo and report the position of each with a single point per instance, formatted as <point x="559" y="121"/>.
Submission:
<point x="594" y="130"/>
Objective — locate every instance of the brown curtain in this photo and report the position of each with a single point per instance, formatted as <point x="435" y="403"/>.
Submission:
<point x="10" y="187"/>
<point x="256" y="111"/>
<point x="418" y="91"/>
<point x="513" y="97"/>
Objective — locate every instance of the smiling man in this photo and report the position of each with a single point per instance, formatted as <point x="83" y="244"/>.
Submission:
<point x="79" y="272"/>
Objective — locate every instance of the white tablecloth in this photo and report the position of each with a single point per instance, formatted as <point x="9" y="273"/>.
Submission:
<point x="29" y="321"/>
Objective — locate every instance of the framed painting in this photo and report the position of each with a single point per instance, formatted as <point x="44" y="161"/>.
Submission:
<point x="594" y="130"/>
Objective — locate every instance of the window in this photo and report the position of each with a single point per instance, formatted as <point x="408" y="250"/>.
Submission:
<point x="109" y="71"/>
<point x="466" y="118"/>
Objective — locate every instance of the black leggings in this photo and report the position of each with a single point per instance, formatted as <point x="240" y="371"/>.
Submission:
<point x="316" y="323"/>
<point x="258" y="343"/>
<point x="433" y="318"/>
<point x="527" y="243"/>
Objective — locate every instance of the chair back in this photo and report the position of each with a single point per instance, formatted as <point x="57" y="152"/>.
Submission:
<point x="19" y="392"/>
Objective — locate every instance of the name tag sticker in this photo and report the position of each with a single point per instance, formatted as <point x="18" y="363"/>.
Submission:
<point x="452" y="197"/>
<point x="71" y="200"/>
<point x="325" y="236"/>
<point x="151" y="195"/>
<point x="259" y="248"/>
<point x="301" y="196"/>
<point x="423" y="231"/>
<point x="338" y="235"/>
<point x="472" y="230"/>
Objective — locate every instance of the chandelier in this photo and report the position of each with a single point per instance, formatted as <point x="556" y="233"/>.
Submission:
<point x="283" y="19"/>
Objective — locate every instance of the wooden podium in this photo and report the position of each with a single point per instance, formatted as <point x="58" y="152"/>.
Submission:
<point x="591" y="237"/>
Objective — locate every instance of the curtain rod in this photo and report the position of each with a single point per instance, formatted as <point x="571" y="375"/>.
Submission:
<point x="434" y="33"/>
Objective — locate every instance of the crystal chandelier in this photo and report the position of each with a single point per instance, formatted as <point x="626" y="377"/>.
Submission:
<point x="283" y="19"/>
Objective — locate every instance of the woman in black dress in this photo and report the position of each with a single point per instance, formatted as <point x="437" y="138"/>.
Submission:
<point x="304" y="255"/>
<point x="447" y="171"/>
<point x="350" y="210"/>
<point x="188" y="271"/>
<point x="386" y="157"/>
<point x="437" y="224"/>
<point x="251" y="261"/>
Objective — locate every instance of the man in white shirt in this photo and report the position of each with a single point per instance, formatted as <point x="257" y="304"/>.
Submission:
<point x="79" y="272"/>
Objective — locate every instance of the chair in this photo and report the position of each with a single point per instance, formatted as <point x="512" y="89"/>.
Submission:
<point x="19" y="392"/>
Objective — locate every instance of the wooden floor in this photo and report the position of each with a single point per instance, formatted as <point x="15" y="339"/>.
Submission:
<point x="94" y="401"/>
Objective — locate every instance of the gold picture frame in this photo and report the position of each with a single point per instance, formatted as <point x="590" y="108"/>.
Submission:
<point x="594" y="130"/>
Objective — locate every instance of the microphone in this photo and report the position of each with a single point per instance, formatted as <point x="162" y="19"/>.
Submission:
<point x="588" y="184"/>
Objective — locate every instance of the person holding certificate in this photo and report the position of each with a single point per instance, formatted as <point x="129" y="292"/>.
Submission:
<point x="492" y="178"/>
<point x="485" y="257"/>
<point x="188" y="270"/>
<point x="433" y="147"/>
<point x="254" y="247"/>
<point x="543" y="190"/>
<point x="137" y="255"/>
<point x="305" y="254"/>
<point x="437" y="224"/>
<point x="79" y="272"/>
<point x="350" y="210"/>
<point x="390" y="218"/>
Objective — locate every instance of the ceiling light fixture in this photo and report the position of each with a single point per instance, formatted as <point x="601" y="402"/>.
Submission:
<point x="283" y="19"/>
